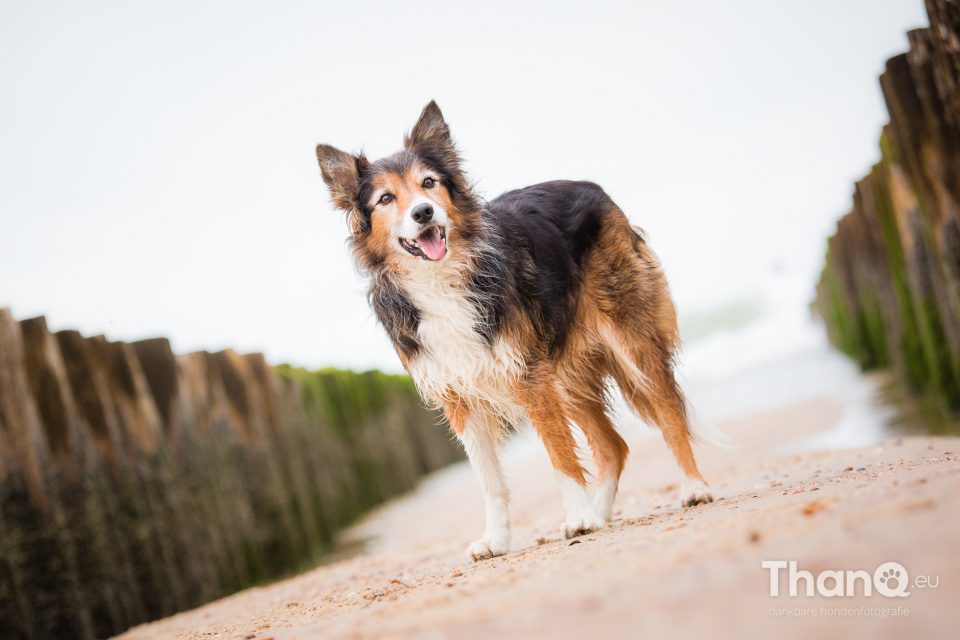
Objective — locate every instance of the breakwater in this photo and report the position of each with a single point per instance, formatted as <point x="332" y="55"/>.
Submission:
<point x="890" y="288"/>
<point x="135" y="483"/>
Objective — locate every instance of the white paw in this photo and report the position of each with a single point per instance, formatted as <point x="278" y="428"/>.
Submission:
<point x="484" y="549"/>
<point x="694" y="492"/>
<point x="582" y="524"/>
<point x="582" y="516"/>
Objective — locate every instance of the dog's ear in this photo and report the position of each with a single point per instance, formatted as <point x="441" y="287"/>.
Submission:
<point x="429" y="128"/>
<point x="341" y="171"/>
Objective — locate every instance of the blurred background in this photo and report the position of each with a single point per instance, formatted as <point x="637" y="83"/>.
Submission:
<point x="162" y="213"/>
<point x="159" y="175"/>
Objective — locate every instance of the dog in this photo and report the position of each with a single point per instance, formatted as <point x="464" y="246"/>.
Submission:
<point x="516" y="310"/>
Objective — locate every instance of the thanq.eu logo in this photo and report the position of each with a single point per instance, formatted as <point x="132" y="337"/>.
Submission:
<point x="890" y="579"/>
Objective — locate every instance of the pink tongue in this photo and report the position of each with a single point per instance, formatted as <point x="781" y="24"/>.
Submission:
<point x="432" y="244"/>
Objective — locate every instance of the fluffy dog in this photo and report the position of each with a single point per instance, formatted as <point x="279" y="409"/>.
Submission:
<point x="514" y="310"/>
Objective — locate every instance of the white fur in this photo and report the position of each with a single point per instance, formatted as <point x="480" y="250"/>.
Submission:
<point x="582" y="517"/>
<point x="606" y="494"/>
<point x="410" y="228"/>
<point x="455" y="358"/>
<point x="481" y="438"/>
<point x="694" y="492"/>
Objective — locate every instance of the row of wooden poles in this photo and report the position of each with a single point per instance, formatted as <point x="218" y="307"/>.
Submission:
<point x="890" y="288"/>
<point x="135" y="483"/>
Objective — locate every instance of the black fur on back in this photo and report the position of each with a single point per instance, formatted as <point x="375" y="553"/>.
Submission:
<point x="543" y="235"/>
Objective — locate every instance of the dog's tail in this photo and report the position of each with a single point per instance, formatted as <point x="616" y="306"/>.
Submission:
<point x="644" y="396"/>
<point x="708" y="432"/>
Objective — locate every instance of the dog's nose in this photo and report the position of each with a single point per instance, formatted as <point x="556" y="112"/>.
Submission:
<point x="422" y="213"/>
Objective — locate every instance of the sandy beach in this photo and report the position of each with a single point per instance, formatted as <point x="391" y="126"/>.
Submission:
<point x="815" y="479"/>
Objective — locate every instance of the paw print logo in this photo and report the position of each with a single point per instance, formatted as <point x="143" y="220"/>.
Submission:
<point x="891" y="579"/>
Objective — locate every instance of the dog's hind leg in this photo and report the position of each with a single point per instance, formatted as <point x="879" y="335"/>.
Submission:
<point x="639" y="333"/>
<point x="544" y="406"/>
<point x="670" y="413"/>
<point x="609" y="451"/>
<point x="645" y="376"/>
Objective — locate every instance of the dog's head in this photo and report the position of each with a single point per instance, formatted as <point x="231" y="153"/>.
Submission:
<point x="414" y="205"/>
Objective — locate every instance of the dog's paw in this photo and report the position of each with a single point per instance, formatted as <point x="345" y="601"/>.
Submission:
<point x="485" y="549"/>
<point x="694" y="492"/>
<point x="582" y="524"/>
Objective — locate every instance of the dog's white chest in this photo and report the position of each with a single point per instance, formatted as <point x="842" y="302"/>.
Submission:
<point x="454" y="356"/>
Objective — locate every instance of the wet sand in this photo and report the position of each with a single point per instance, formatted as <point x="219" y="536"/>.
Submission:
<point x="801" y="486"/>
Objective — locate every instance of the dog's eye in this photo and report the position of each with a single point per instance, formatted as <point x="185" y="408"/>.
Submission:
<point x="428" y="183"/>
<point x="386" y="198"/>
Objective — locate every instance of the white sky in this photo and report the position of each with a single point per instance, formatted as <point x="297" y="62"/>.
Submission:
<point x="157" y="169"/>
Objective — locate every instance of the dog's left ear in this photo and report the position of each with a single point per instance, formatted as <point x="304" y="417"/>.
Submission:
<point x="429" y="128"/>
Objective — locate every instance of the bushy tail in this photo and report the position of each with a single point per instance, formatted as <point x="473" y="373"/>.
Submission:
<point x="707" y="432"/>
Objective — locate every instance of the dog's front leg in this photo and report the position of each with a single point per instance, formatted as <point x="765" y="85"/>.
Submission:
<point x="481" y="437"/>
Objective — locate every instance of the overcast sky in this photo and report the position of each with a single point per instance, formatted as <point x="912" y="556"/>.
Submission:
<point x="157" y="169"/>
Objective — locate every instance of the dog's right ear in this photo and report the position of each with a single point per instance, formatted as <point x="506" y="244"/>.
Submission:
<point x="341" y="171"/>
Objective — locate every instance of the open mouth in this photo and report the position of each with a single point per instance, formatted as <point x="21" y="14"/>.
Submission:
<point x="431" y="244"/>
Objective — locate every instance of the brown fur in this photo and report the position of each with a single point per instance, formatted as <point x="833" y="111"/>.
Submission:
<point x="625" y="295"/>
